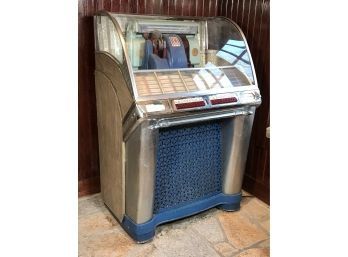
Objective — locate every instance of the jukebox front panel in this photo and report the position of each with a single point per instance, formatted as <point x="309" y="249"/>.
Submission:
<point x="188" y="164"/>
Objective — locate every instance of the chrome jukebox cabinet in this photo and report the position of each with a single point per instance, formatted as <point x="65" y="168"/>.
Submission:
<point x="176" y="98"/>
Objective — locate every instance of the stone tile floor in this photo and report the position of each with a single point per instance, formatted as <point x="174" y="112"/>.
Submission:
<point x="244" y="233"/>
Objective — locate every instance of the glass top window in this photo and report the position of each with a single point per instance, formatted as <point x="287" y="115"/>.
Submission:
<point x="229" y="46"/>
<point x="171" y="55"/>
<point x="108" y="39"/>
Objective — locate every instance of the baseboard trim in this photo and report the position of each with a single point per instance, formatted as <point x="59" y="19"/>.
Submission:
<point x="89" y="186"/>
<point x="256" y="188"/>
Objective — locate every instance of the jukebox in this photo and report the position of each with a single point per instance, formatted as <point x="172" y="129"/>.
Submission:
<point x="176" y="98"/>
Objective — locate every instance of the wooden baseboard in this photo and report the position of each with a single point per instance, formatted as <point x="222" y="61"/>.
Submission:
<point x="257" y="189"/>
<point x="89" y="186"/>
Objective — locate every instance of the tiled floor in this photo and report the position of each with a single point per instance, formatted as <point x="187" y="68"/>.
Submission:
<point x="244" y="233"/>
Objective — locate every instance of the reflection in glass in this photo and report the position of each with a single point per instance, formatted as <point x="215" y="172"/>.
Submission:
<point x="235" y="52"/>
<point x="108" y="39"/>
<point x="219" y="77"/>
<point x="189" y="80"/>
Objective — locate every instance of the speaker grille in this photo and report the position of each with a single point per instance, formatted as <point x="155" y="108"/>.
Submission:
<point x="188" y="165"/>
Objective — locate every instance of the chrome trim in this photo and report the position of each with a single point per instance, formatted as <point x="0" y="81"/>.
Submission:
<point x="96" y="38"/>
<point x="159" y="83"/>
<point x="208" y="114"/>
<point x="184" y="82"/>
<point x="206" y="35"/>
<point x="139" y="112"/>
<point x="206" y="105"/>
<point x="140" y="173"/>
<point x="235" y="150"/>
<point x="164" y="123"/>
<point x="109" y="55"/>
<point x="202" y="38"/>
<point x="186" y="69"/>
<point x="148" y="16"/>
<point x="197" y="93"/>
<point x="166" y="28"/>
<point x="132" y="127"/>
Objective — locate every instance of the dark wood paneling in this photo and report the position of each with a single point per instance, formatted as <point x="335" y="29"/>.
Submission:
<point x="89" y="185"/>
<point x="253" y="18"/>
<point x="88" y="170"/>
<point x="88" y="159"/>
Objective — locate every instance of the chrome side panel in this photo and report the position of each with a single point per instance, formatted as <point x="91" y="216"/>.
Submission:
<point x="140" y="172"/>
<point x="113" y="102"/>
<point x="236" y="137"/>
<point x="110" y="145"/>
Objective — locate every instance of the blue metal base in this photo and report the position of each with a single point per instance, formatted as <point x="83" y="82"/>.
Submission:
<point x="146" y="231"/>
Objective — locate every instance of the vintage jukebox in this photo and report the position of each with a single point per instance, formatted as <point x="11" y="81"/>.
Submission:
<point x="176" y="98"/>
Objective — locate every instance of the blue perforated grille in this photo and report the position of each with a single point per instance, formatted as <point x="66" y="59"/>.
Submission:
<point x="188" y="165"/>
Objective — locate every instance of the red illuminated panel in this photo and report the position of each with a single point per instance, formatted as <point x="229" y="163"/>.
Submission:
<point x="189" y="105"/>
<point x="223" y="100"/>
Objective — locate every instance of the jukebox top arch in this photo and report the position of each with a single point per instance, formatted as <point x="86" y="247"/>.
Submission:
<point x="174" y="57"/>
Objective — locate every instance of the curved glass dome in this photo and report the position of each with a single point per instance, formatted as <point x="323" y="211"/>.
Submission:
<point x="177" y="55"/>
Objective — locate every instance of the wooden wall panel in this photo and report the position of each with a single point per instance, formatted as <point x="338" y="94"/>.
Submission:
<point x="253" y="18"/>
<point x="88" y="160"/>
<point x="88" y="170"/>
